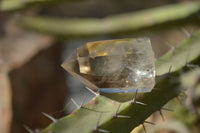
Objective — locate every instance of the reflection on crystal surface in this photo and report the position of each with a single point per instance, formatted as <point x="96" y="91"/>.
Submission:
<point x="114" y="66"/>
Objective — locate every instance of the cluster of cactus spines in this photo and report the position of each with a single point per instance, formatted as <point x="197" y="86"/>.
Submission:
<point x="50" y="117"/>
<point x="134" y="101"/>
<point x="116" y="117"/>
<point x="97" y="128"/>
<point x="30" y="130"/>
<point x="147" y="123"/>
<point x="161" y="114"/>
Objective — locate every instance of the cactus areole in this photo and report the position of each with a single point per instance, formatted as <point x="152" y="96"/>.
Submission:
<point x="114" y="66"/>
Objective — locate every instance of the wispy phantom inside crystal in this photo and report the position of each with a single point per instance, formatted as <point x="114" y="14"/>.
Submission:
<point x="114" y="66"/>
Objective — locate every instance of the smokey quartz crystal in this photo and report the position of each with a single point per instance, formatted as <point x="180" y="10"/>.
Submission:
<point x="114" y="66"/>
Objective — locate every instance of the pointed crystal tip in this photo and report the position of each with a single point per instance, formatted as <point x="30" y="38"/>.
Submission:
<point x="114" y="66"/>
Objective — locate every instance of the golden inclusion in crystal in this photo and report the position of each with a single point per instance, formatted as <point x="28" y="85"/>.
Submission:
<point x="114" y="66"/>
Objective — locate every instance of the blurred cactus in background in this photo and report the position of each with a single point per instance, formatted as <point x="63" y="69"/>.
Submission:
<point x="37" y="35"/>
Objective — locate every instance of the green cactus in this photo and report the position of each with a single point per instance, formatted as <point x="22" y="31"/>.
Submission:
<point x="124" y="119"/>
<point x="105" y="115"/>
<point x="112" y="25"/>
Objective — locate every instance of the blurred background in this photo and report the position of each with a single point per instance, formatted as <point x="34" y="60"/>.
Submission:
<point x="36" y="36"/>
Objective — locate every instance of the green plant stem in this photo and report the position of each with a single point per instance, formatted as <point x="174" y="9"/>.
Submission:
<point x="110" y="25"/>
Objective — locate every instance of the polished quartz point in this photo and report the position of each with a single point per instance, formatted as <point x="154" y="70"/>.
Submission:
<point x="114" y="66"/>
